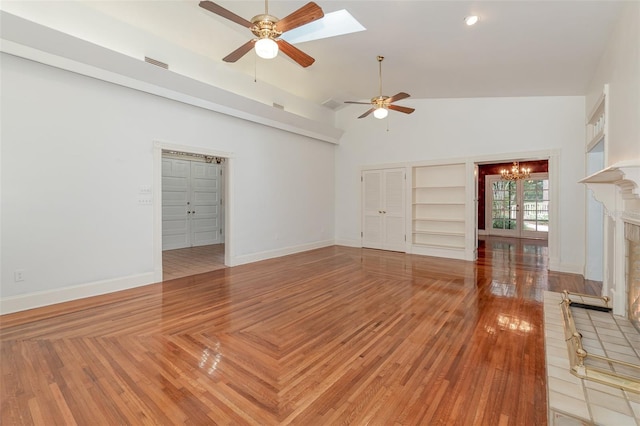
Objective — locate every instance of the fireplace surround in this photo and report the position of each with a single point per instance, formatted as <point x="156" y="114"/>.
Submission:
<point x="632" y="236"/>
<point x="593" y="357"/>
<point x="618" y="189"/>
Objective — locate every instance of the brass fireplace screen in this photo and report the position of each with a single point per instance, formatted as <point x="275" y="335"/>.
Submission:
<point x="590" y="366"/>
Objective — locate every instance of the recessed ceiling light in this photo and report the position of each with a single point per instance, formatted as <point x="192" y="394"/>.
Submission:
<point x="471" y="20"/>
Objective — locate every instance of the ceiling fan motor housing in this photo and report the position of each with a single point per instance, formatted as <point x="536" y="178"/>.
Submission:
<point x="380" y="101"/>
<point x="264" y="26"/>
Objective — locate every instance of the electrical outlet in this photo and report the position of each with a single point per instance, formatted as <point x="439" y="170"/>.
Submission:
<point x="18" y="275"/>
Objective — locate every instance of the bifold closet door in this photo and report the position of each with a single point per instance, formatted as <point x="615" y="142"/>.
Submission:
<point x="205" y="204"/>
<point x="383" y="209"/>
<point x="176" y="175"/>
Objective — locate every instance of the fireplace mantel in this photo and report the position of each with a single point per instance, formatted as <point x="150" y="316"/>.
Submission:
<point x="624" y="175"/>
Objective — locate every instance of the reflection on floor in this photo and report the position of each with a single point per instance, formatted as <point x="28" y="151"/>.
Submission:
<point x="506" y="259"/>
<point x="192" y="260"/>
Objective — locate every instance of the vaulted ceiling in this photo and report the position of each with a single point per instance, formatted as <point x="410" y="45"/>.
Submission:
<point x="518" y="48"/>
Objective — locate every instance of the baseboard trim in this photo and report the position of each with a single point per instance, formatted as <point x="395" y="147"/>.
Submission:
<point x="349" y="243"/>
<point x="449" y="253"/>
<point x="39" y="299"/>
<point x="270" y="254"/>
<point x="565" y="267"/>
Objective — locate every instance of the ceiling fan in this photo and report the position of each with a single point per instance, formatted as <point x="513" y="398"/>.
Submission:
<point x="382" y="104"/>
<point x="268" y="29"/>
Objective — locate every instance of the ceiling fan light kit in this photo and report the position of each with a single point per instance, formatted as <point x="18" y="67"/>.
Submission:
<point x="266" y="48"/>
<point x="382" y="104"/>
<point x="380" y="113"/>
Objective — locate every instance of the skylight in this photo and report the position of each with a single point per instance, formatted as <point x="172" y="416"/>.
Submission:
<point x="333" y="24"/>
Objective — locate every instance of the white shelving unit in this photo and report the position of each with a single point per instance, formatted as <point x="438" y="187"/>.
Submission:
<point x="596" y="123"/>
<point x="440" y="210"/>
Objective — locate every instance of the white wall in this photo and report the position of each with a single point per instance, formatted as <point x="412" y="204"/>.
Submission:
<point x="620" y="68"/>
<point x="594" y="221"/>
<point x="88" y="22"/>
<point x="75" y="152"/>
<point x="442" y="129"/>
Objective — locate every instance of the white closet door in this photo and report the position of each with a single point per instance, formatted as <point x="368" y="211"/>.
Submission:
<point x="221" y="185"/>
<point x="394" y="210"/>
<point x="175" y="198"/>
<point x="372" y="209"/>
<point x="205" y="204"/>
<point x="383" y="201"/>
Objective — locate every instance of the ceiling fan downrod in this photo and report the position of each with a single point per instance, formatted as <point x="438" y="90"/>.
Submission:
<point x="380" y="59"/>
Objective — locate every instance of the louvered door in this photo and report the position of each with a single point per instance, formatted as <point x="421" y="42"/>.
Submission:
<point x="383" y="209"/>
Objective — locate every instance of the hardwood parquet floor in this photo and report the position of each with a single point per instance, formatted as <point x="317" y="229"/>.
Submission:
<point x="331" y="336"/>
<point x="183" y="262"/>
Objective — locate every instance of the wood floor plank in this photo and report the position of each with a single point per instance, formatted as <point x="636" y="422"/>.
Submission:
<point x="336" y="335"/>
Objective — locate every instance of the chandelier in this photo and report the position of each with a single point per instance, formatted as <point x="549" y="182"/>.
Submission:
<point x="516" y="173"/>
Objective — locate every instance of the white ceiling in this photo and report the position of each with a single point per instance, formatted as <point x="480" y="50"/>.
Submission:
<point x="519" y="48"/>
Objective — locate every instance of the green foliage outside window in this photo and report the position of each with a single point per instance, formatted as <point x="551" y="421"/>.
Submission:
<point x="500" y="223"/>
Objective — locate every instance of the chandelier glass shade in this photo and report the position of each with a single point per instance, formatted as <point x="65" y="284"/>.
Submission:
<point x="516" y="173"/>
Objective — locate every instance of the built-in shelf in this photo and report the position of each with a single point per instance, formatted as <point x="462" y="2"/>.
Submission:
<point x="427" y="187"/>
<point x="598" y="109"/>
<point x="446" y="241"/>
<point x="439" y="206"/>
<point x="457" y="234"/>
<point x="435" y="219"/>
<point x="441" y="203"/>
<point x="597" y="122"/>
<point x="595" y="140"/>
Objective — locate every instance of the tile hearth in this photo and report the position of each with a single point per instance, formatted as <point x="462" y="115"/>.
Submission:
<point x="575" y="401"/>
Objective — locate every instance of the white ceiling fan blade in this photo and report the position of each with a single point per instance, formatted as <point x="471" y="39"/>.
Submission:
<point x="333" y="24"/>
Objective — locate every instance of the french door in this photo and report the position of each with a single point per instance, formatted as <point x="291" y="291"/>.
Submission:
<point x="518" y="208"/>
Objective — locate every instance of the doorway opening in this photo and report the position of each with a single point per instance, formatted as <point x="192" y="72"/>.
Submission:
<point x="518" y="209"/>
<point x="192" y="214"/>
<point x="191" y="231"/>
